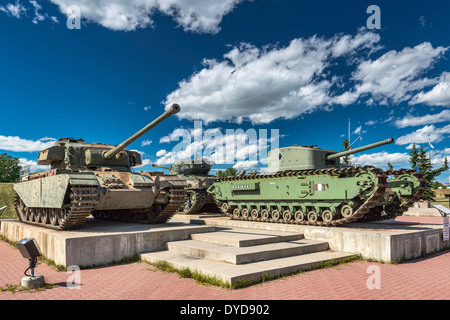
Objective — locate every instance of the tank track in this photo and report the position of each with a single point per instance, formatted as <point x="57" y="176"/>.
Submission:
<point x="211" y="205"/>
<point x="158" y="214"/>
<point x="200" y="196"/>
<point x="83" y="200"/>
<point x="356" y="215"/>
<point x="375" y="215"/>
<point x="206" y="203"/>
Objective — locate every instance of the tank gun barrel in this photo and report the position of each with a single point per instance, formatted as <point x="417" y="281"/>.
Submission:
<point x="175" y="108"/>
<point x="369" y="146"/>
<point x="158" y="166"/>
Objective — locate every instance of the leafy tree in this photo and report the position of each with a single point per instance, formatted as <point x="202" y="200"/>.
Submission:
<point x="9" y="168"/>
<point x="229" y="172"/>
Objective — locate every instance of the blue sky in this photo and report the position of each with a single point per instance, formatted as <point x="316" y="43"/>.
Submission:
<point x="302" y="68"/>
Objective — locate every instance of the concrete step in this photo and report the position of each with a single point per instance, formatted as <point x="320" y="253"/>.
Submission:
<point x="247" y="273"/>
<point x="241" y="255"/>
<point x="240" y="237"/>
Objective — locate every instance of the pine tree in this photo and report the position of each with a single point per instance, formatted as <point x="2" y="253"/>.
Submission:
<point x="413" y="157"/>
<point x="426" y="169"/>
<point x="390" y="166"/>
<point x="420" y="159"/>
<point x="346" y="145"/>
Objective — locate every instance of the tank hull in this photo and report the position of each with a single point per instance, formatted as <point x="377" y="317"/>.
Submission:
<point x="323" y="197"/>
<point x="64" y="200"/>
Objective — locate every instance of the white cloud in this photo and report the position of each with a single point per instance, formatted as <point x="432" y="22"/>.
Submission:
<point x="234" y="146"/>
<point x="410" y="121"/>
<point x="425" y="134"/>
<point x="17" y="144"/>
<point x="16" y="10"/>
<point x="264" y="84"/>
<point x="240" y="165"/>
<point x="438" y="96"/>
<point x="202" y="16"/>
<point x="161" y="153"/>
<point x="381" y="159"/>
<point x="395" y="76"/>
<point x="23" y="162"/>
<point x="357" y="130"/>
<point x="146" y="143"/>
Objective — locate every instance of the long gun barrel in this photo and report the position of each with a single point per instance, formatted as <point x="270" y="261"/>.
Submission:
<point x="369" y="146"/>
<point x="175" y="108"/>
<point x="158" y="166"/>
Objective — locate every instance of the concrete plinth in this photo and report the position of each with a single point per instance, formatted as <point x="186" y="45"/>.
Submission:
<point x="100" y="242"/>
<point x="387" y="241"/>
<point x="32" y="282"/>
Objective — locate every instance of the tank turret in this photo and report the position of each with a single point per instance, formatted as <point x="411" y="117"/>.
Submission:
<point x="312" y="157"/>
<point x="196" y="174"/>
<point x="188" y="167"/>
<point x="76" y="154"/>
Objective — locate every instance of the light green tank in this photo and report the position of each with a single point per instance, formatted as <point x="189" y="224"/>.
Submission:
<point x="93" y="178"/>
<point x="308" y="185"/>
<point x="198" y="180"/>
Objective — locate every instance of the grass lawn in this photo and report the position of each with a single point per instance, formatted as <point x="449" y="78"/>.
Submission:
<point x="7" y="199"/>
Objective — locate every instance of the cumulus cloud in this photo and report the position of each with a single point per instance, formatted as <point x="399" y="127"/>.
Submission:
<point x="439" y="95"/>
<point x="25" y="163"/>
<point x="17" y="144"/>
<point x="247" y="164"/>
<point x="264" y="84"/>
<point x="380" y="159"/>
<point x="202" y="16"/>
<point x="410" y="121"/>
<point x="238" y="147"/>
<point x="425" y="134"/>
<point x="395" y="76"/>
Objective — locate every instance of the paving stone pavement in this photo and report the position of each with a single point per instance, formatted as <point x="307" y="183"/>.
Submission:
<point x="426" y="278"/>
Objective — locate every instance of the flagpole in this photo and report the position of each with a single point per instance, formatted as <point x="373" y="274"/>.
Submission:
<point x="349" y="132"/>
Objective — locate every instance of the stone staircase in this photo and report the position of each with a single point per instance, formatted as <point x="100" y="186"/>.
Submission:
<point x="235" y="255"/>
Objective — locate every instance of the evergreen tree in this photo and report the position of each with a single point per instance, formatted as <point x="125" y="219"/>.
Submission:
<point x="413" y="157"/>
<point x="390" y="166"/>
<point x="346" y="145"/>
<point x="426" y="169"/>
<point x="419" y="158"/>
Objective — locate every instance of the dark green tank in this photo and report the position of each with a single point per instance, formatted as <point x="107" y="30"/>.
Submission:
<point x="308" y="185"/>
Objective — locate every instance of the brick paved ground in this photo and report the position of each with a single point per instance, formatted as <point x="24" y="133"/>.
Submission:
<point x="426" y="278"/>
